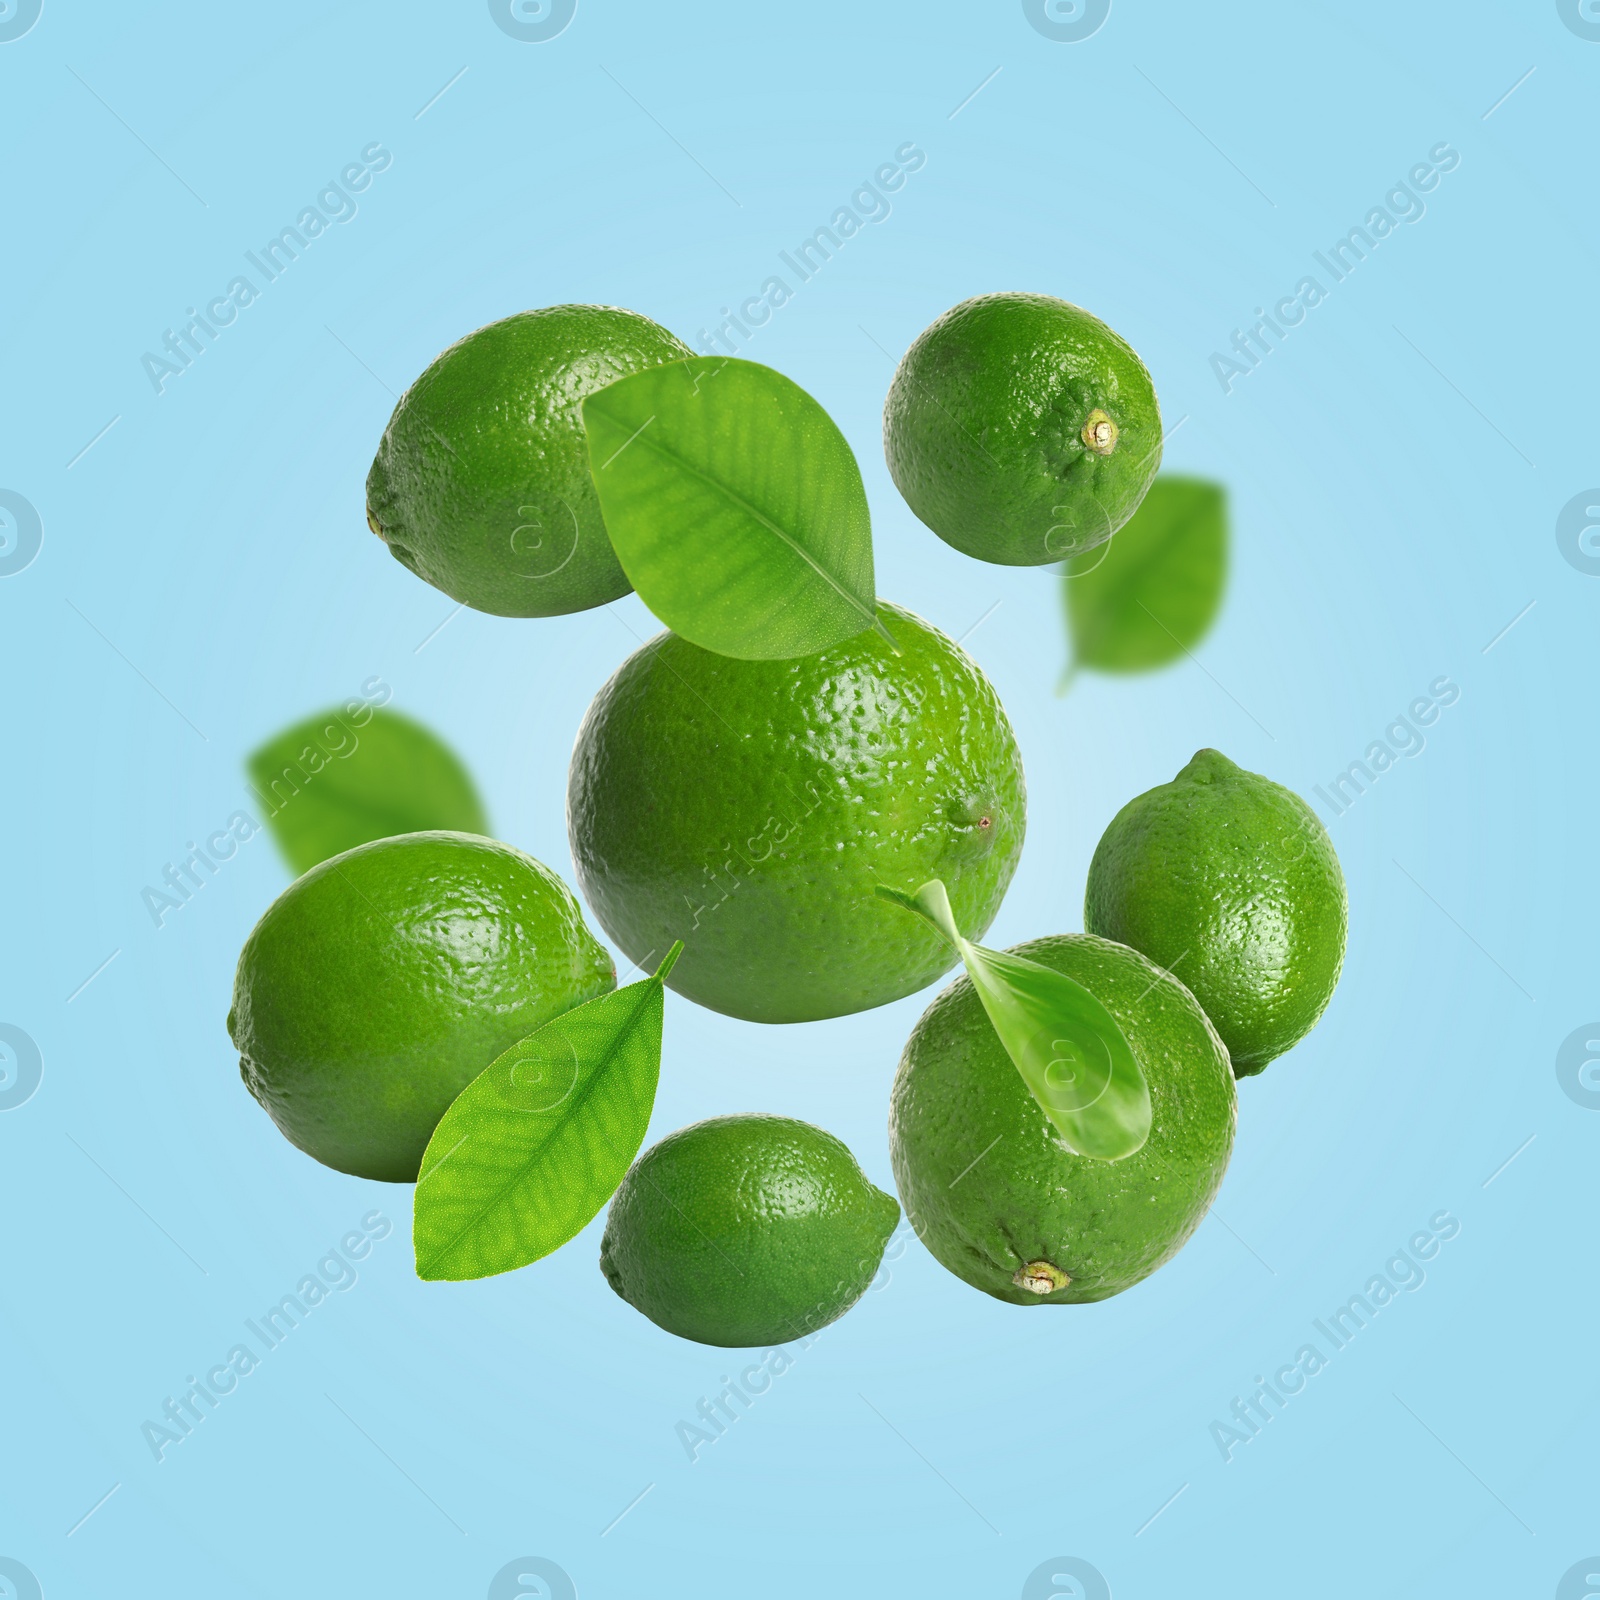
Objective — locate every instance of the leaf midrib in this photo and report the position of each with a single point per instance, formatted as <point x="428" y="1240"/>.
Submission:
<point x="500" y="1193"/>
<point x="870" y="613"/>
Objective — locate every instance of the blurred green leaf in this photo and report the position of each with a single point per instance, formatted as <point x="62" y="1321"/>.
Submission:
<point x="1151" y="594"/>
<point x="355" y="774"/>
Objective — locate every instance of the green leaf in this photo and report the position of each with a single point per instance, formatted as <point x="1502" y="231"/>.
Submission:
<point x="735" y="507"/>
<point x="342" y="779"/>
<point x="533" y="1147"/>
<point x="1150" y="594"/>
<point x="1071" y="1053"/>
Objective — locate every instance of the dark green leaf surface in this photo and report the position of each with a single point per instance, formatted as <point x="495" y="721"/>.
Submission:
<point x="332" y="782"/>
<point x="534" y="1146"/>
<point x="1071" y="1053"/>
<point x="735" y="506"/>
<point x="1151" y="594"/>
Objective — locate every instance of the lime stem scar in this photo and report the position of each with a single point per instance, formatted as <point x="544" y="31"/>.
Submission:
<point x="1040" y="1277"/>
<point x="1099" y="433"/>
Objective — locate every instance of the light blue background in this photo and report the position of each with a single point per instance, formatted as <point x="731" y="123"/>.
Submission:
<point x="1396" y="468"/>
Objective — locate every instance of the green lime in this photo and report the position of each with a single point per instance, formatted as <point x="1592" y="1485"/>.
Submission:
<point x="1230" y="880"/>
<point x="750" y="808"/>
<point x="745" y="1230"/>
<point x="381" y="983"/>
<point x="989" y="1184"/>
<point x="481" y="482"/>
<point x="1021" y="429"/>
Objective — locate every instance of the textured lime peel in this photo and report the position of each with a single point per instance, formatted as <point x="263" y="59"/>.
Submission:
<point x="1069" y="1049"/>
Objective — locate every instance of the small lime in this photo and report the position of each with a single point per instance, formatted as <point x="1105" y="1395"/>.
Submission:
<point x="750" y="808"/>
<point x="987" y="1181"/>
<point x="1230" y="880"/>
<point x="745" y="1230"/>
<point x="481" y="483"/>
<point x="1021" y="429"/>
<point x="377" y="986"/>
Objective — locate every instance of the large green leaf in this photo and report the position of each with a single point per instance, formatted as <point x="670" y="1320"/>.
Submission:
<point x="1072" y="1054"/>
<point x="1149" y="595"/>
<point x="735" y="506"/>
<point x="342" y="779"/>
<point x="533" y="1147"/>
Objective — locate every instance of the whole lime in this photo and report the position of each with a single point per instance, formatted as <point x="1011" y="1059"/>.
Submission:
<point x="1021" y="429"/>
<point x="750" y="808"/>
<point x="1228" y="879"/>
<point x="481" y="482"/>
<point x="987" y="1181"/>
<point x="745" y="1230"/>
<point x="377" y="986"/>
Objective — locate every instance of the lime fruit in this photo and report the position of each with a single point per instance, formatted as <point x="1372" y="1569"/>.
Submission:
<point x="750" y="808"/>
<point x="381" y="983"/>
<point x="481" y="482"/>
<point x="1021" y="429"/>
<point x="745" y="1230"/>
<point x="988" y="1183"/>
<point x="1228" y="879"/>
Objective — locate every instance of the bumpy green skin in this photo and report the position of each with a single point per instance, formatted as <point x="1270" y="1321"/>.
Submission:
<point x="481" y="482"/>
<point x="1229" y="879"/>
<point x="381" y="983"/>
<point x="983" y="429"/>
<point x="984" y="1176"/>
<point x="749" y="808"/>
<point x="748" y="1230"/>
